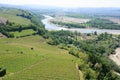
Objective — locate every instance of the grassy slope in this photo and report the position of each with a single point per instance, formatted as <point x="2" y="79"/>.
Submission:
<point x="10" y="14"/>
<point x="44" y="62"/>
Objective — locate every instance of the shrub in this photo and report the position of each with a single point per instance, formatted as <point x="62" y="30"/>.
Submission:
<point x="2" y="72"/>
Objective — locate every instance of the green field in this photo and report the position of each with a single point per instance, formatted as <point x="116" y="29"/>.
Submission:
<point x="10" y="14"/>
<point x="23" y="32"/>
<point x="31" y="58"/>
<point x="16" y="19"/>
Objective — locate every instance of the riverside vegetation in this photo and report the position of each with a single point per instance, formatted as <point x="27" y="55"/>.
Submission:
<point x="93" y="22"/>
<point x="31" y="52"/>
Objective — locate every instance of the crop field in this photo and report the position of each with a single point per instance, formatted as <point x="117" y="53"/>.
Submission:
<point x="23" y="32"/>
<point x="70" y="19"/>
<point x="115" y="20"/>
<point x="31" y="58"/>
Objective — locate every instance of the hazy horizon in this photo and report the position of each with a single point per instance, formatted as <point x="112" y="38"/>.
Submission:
<point x="65" y="3"/>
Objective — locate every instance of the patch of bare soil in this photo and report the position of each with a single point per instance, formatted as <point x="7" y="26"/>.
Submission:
<point x="116" y="57"/>
<point x="2" y="36"/>
<point x="3" y="21"/>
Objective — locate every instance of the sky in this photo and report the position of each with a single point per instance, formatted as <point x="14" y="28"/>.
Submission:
<point x="65" y="3"/>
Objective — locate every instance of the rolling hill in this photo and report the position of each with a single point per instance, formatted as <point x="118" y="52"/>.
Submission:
<point x="30" y="57"/>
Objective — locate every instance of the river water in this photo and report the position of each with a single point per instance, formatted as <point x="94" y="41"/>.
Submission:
<point x="50" y="26"/>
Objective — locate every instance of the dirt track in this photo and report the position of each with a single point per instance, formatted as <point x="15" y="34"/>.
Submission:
<point x="116" y="57"/>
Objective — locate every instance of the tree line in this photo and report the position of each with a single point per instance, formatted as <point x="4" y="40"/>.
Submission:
<point x="92" y="54"/>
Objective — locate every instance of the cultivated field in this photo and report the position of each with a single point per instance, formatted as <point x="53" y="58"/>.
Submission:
<point x="70" y="19"/>
<point x="116" y="20"/>
<point x="31" y="58"/>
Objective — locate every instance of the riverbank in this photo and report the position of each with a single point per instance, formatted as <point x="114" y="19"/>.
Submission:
<point x="50" y="26"/>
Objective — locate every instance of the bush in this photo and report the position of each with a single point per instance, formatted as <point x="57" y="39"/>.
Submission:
<point x="2" y="72"/>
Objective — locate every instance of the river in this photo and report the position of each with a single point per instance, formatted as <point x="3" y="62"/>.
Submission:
<point x="50" y="26"/>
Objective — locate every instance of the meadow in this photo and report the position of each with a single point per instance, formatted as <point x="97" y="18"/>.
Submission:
<point x="11" y="15"/>
<point x="31" y="58"/>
